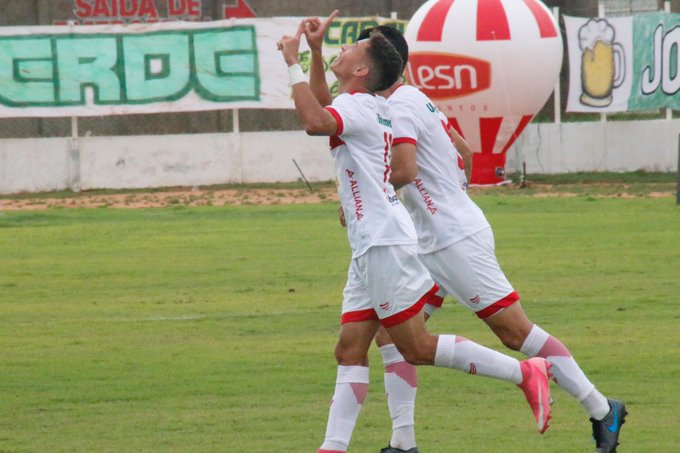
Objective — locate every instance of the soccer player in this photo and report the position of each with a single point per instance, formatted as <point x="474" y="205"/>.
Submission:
<point x="456" y="245"/>
<point x="386" y="282"/>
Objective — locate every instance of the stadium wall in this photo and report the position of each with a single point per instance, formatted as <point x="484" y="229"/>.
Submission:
<point x="597" y="146"/>
<point x="49" y="164"/>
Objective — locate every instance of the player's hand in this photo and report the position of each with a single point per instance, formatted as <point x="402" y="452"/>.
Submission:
<point x="315" y="29"/>
<point x="341" y="217"/>
<point x="290" y="46"/>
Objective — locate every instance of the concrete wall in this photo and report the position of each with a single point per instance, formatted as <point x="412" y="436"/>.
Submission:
<point x="34" y="165"/>
<point x="616" y="146"/>
<point x="46" y="164"/>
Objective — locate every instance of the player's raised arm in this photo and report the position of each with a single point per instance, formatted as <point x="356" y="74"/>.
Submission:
<point x="315" y="30"/>
<point x="315" y="119"/>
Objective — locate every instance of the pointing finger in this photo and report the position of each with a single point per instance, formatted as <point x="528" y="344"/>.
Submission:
<point x="328" y="21"/>
<point x="300" y="30"/>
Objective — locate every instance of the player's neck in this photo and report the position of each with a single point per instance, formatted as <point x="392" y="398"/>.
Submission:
<point x="388" y="92"/>
<point x="351" y="85"/>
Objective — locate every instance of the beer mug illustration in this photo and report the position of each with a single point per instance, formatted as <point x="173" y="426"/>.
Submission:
<point x="602" y="63"/>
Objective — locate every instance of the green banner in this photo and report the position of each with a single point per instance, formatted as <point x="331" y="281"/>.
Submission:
<point x="218" y="65"/>
<point x="75" y="70"/>
<point x="656" y="78"/>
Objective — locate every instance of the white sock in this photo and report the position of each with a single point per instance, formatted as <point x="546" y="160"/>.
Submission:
<point x="351" y="387"/>
<point x="566" y="371"/>
<point x="401" y="384"/>
<point x="465" y="355"/>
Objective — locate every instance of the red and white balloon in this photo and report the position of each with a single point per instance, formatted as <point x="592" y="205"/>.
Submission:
<point x="490" y="66"/>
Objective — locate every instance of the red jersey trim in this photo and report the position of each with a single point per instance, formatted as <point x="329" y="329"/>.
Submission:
<point x="335" y="141"/>
<point x="498" y="306"/>
<point x="338" y="118"/>
<point x="410" y="140"/>
<point x="410" y="312"/>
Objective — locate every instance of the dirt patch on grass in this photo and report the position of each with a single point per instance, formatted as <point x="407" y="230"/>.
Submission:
<point x="322" y="192"/>
<point x="188" y="197"/>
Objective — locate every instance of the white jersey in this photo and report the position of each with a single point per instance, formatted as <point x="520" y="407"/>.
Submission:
<point x="441" y="209"/>
<point x="362" y="152"/>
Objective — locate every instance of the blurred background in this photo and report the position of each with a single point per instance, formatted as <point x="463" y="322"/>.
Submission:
<point x="49" y="12"/>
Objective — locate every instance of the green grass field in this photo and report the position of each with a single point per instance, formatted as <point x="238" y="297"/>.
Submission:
<point x="212" y="329"/>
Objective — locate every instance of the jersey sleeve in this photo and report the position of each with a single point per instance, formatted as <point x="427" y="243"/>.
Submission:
<point x="348" y="114"/>
<point x="404" y="123"/>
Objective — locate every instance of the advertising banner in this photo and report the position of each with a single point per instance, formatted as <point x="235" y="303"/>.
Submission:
<point x="623" y="64"/>
<point x="161" y="67"/>
<point x="489" y="67"/>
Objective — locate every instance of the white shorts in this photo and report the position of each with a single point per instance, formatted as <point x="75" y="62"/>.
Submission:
<point x="469" y="271"/>
<point x="387" y="283"/>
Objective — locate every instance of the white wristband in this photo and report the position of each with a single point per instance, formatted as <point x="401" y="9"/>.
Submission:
<point x="295" y="74"/>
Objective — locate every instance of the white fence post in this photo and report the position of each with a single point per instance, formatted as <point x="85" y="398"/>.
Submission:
<point x="667" y="9"/>
<point x="74" y="148"/>
<point x="600" y="14"/>
<point x="557" y="98"/>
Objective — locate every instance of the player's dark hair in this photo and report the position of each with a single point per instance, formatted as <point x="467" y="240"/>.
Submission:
<point x="393" y="35"/>
<point x="384" y="62"/>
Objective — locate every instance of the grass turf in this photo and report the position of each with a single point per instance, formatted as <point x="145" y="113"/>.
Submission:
<point x="212" y="329"/>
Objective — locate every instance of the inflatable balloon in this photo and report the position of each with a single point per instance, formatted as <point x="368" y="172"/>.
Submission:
<point x="489" y="66"/>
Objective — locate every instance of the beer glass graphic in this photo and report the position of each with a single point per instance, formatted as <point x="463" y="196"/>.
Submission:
<point x="602" y="63"/>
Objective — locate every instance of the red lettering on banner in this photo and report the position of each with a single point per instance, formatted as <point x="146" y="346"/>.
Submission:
<point x="194" y="7"/>
<point x="147" y="8"/>
<point x="174" y="9"/>
<point x="83" y="9"/>
<point x="132" y="11"/>
<point x="128" y="12"/>
<point x="184" y="8"/>
<point x="101" y="8"/>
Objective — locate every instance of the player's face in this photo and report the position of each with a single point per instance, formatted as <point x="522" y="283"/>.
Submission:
<point x="350" y="58"/>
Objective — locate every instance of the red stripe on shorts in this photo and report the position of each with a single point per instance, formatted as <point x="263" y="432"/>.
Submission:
<point x="435" y="301"/>
<point x="358" y="316"/>
<point x="410" y="312"/>
<point x="498" y="306"/>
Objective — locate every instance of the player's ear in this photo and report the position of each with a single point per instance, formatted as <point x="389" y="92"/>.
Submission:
<point x="361" y="71"/>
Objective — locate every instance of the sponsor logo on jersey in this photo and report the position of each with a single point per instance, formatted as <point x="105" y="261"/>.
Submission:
<point x="356" y="195"/>
<point x="384" y="121"/>
<point x="447" y="76"/>
<point x="429" y="203"/>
